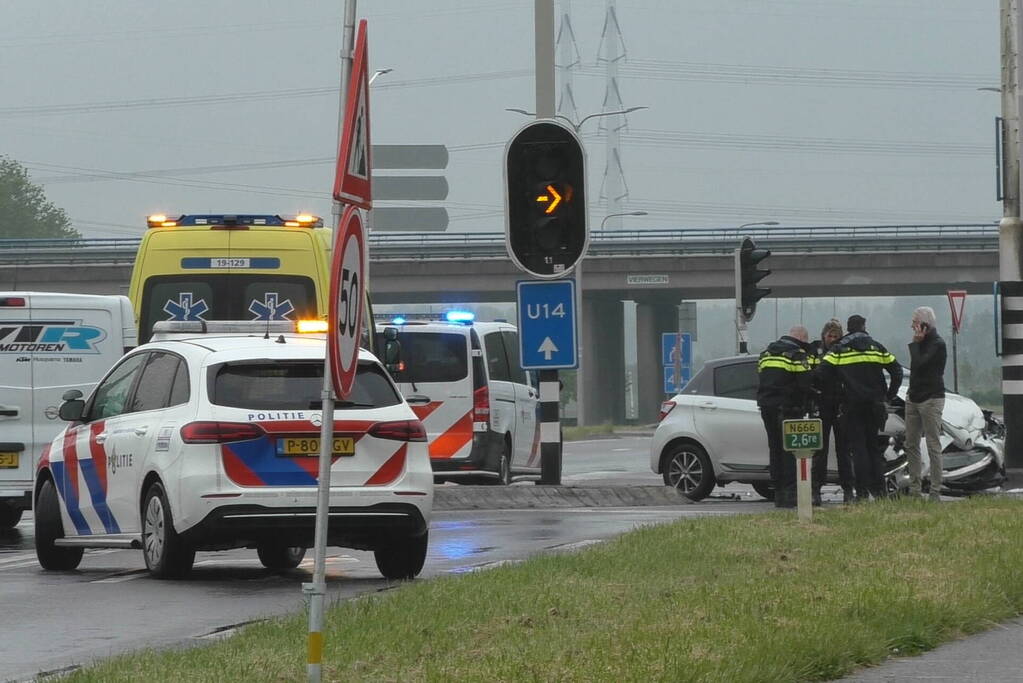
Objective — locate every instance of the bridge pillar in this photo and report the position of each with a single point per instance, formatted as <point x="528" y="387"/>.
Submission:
<point x="653" y="318"/>
<point x="602" y="361"/>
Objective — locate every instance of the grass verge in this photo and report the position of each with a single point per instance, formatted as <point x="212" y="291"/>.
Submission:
<point x="745" y="598"/>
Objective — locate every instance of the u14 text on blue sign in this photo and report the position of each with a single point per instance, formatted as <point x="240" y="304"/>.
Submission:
<point x="547" y="324"/>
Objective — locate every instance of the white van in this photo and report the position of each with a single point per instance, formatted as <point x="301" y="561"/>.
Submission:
<point x="465" y="382"/>
<point x="49" y="343"/>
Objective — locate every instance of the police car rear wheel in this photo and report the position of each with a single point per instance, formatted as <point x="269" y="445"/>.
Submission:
<point x="167" y="557"/>
<point x="280" y="557"/>
<point x="48" y="528"/>
<point x="687" y="469"/>
<point x="402" y="558"/>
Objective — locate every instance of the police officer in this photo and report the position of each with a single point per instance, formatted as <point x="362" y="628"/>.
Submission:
<point x="828" y="399"/>
<point x="784" y="392"/>
<point x="859" y="362"/>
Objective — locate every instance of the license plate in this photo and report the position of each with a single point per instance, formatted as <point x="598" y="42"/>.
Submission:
<point x="343" y="445"/>
<point x="8" y="459"/>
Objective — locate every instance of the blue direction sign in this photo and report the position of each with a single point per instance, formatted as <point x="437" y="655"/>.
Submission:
<point x="669" y="344"/>
<point x="547" y="324"/>
<point x="673" y="385"/>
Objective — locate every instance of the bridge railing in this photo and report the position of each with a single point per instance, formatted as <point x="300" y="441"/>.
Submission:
<point x="410" y="246"/>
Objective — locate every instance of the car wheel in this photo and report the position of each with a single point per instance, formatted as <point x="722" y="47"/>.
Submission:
<point x="688" y="469"/>
<point x="9" y="516"/>
<point x="280" y="557"/>
<point x="48" y="528"/>
<point x="503" y="468"/>
<point x="167" y="557"/>
<point x="402" y="558"/>
<point x="764" y="488"/>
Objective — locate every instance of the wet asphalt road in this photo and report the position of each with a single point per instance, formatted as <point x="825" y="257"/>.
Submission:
<point x="110" y="605"/>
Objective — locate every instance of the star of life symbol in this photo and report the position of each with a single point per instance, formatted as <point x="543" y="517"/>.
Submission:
<point x="270" y="309"/>
<point x="184" y="308"/>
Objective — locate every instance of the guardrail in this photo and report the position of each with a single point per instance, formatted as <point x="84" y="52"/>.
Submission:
<point x="411" y="246"/>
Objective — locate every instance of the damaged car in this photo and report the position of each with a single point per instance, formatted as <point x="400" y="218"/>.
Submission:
<point x="710" y="434"/>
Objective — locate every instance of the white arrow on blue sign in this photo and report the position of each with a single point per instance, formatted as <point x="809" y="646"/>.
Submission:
<point x="547" y="324"/>
<point x="669" y="347"/>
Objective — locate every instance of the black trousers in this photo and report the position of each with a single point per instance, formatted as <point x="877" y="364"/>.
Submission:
<point x="782" y="463"/>
<point x="832" y="425"/>
<point x="862" y="423"/>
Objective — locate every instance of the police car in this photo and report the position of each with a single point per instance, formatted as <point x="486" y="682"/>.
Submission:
<point x="465" y="381"/>
<point x="210" y="442"/>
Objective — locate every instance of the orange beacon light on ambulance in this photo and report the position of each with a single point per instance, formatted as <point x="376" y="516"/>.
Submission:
<point x="231" y="267"/>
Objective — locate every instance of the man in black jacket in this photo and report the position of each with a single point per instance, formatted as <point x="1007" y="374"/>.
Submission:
<point x="784" y="392"/>
<point x="925" y="400"/>
<point x="857" y="361"/>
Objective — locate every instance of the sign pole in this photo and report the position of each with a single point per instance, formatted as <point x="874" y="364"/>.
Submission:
<point x="802" y="438"/>
<point x="955" y="360"/>
<point x="550" y="428"/>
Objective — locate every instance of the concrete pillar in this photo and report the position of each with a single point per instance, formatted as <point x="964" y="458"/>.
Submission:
<point x="653" y="318"/>
<point x="602" y="361"/>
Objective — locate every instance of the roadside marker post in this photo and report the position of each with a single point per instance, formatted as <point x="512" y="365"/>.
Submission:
<point x="802" y="438"/>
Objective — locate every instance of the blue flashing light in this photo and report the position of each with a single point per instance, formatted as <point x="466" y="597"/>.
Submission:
<point x="460" y="316"/>
<point x="398" y="320"/>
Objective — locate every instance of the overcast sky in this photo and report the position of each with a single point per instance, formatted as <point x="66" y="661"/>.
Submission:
<point x="808" y="112"/>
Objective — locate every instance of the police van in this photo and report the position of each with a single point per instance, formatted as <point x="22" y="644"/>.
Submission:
<point x="465" y="381"/>
<point x="231" y="267"/>
<point x="49" y="343"/>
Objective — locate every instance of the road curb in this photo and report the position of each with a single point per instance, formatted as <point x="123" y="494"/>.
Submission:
<point x="538" y="497"/>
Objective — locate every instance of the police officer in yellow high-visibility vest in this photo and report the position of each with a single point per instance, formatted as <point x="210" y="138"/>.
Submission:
<point x="785" y="391"/>
<point x="859" y="363"/>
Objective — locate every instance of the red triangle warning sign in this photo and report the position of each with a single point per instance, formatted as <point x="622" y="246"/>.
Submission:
<point x="352" y="181"/>
<point x="957" y="302"/>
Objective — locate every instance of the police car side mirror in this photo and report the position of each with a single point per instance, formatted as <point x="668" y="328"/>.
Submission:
<point x="392" y="350"/>
<point x="71" y="410"/>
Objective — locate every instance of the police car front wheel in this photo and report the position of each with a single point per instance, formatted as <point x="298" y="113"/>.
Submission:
<point x="48" y="528"/>
<point x="167" y="557"/>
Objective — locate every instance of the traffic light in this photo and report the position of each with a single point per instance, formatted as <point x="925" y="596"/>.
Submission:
<point x="747" y="275"/>
<point x="545" y="200"/>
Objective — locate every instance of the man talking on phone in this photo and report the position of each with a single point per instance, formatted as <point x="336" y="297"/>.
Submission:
<point x="925" y="400"/>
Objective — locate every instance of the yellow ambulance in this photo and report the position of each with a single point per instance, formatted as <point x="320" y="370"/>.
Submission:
<point x="231" y="267"/>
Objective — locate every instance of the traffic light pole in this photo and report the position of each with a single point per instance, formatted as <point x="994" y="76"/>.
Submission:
<point x="550" y="428"/>
<point x="741" y="336"/>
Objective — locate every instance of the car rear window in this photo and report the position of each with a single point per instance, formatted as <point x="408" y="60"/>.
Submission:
<point x="431" y="356"/>
<point x="297" y="385"/>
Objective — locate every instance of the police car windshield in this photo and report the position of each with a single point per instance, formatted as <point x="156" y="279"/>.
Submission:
<point x="293" y="385"/>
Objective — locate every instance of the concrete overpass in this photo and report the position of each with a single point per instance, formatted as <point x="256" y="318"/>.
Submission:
<point x="656" y="269"/>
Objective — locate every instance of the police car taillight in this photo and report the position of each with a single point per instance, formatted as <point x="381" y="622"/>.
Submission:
<point x="220" y="432"/>
<point x="399" y="430"/>
<point x="12" y="301"/>
<point x="666" y="408"/>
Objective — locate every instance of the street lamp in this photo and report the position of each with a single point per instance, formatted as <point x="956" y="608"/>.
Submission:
<point x="579" y="125"/>
<point x="627" y="213"/>
<point x="378" y="72"/>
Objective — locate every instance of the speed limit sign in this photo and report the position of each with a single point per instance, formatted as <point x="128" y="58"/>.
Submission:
<point x="347" y="285"/>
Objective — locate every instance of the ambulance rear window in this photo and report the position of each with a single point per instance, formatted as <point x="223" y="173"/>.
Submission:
<point x="235" y="296"/>
<point x="294" y="385"/>
<point x="432" y="357"/>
